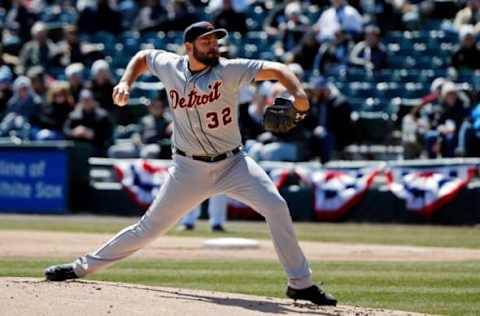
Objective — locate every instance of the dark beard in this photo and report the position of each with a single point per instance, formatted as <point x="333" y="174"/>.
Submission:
<point x="204" y="59"/>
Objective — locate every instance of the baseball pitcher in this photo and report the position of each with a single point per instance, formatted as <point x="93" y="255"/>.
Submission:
<point x="203" y="92"/>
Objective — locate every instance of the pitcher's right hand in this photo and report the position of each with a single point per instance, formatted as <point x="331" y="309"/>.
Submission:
<point x="121" y="93"/>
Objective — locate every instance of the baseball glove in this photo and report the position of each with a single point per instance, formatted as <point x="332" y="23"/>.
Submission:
<point x="281" y="116"/>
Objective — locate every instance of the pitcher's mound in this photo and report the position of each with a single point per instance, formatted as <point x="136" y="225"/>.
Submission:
<point x="22" y="296"/>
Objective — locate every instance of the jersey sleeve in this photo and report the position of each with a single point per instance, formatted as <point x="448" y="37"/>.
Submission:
<point x="242" y="71"/>
<point x="157" y="60"/>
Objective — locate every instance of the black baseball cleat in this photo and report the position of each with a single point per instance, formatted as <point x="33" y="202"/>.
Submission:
<point x="313" y="294"/>
<point x="60" y="272"/>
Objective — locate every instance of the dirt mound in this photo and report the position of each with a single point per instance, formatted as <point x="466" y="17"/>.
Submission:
<point x="22" y="296"/>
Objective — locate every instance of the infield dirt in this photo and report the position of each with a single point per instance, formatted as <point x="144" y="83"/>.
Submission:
<point x="25" y="296"/>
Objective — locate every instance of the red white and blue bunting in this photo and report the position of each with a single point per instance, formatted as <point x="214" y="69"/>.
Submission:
<point x="427" y="189"/>
<point x="141" y="180"/>
<point x="337" y="191"/>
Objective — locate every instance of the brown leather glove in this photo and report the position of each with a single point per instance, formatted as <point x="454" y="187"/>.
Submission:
<point x="281" y="116"/>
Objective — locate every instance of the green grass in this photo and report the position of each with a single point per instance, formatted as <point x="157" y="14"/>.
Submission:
<point x="435" y="288"/>
<point x="418" y="235"/>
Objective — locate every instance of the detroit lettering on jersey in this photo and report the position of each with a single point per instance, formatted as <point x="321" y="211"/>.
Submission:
<point x="194" y="98"/>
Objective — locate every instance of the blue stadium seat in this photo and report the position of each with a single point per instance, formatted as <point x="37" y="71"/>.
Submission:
<point x="361" y="90"/>
<point x="384" y="75"/>
<point x="356" y="74"/>
<point x="415" y="90"/>
<point x="251" y="51"/>
<point x="120" y="60"/>
<point x="175" y="37"/>
<point x="375" y="104"/>
<point x="405" y="75"/>
<point x="388" y="90"/>
<point x="399" y="62"/>
<point x="157" y="40"/>
<point x="393" y="37"/>
<point x="356" y="104"/>
<point x="449" y="38"/>
<point x="432" y="24"/>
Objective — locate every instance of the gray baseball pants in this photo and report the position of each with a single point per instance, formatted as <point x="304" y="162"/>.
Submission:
<point x="189" y="183"/>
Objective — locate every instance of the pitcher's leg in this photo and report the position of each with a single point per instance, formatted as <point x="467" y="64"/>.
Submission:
<point x="249" y="183"/>
<point x="172" y="202"/>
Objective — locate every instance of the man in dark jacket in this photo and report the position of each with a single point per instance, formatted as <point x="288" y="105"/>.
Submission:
<point x="442" y="139"/>
<point x="89" y="123"/>
<point x="329" y="119"/>
<point x="467" y="56"/>
<point x="226" y="17"/>
<point x="370" y="53"/>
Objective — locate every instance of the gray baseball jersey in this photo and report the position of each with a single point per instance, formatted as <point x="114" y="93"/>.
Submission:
<point x="205" y="104"/>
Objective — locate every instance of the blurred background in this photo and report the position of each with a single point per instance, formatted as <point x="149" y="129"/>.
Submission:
<point x="394" y="88"/>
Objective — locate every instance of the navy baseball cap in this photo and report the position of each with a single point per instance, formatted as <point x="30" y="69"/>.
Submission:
<point x="200" y="29"/>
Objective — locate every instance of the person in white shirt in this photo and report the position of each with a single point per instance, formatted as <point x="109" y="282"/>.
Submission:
<point x="340" y="15"/>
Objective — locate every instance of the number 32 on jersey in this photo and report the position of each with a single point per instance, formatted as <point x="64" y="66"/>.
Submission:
<point x="214" y="119"/>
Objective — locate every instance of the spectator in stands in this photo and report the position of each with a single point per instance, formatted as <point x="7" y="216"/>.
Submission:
<point x="6" y="92"/>
<point x="251" y="116"/>
<point x="70" y="49"/>
<point x="180" y="15"/>
<point x="442" y="139"/>
<point x="74" y="74"/>
<point x="469" y="135"/>
<point x="227" y="17"/>
<point x="21" y="19"/>
<point x="153" y="130"/>
<point x="22" y="109"/>
<point x="470" y="15"/>
<point x="55" y="112"/>
<point x="416" y="124"/>
<point x="215" y="5"/>
<point x="435" y="91"/>
<point x="37" y="52"/>
<point x="7" y="57"/>
<point x="90" y="124"/>
<point x="334" y="56"/>
<point x="370" y="53"/>
<point x="275" y="18"/>
<point x="329" y="120"/>
<point x="412" y="11"/>
<point x="96" y="16"/>
<point x="467" y="56"/>
<point x="102" y="85"/>
<point x="39" y="80"/>
<point x="383" y="14"/>
<point x="292" y="30"/>
<point x="304" y="52"/>
<point x="151" y="14"/>
<point x="340" y="16"/>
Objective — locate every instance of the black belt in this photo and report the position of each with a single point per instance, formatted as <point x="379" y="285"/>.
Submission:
<point x="209" y="158"/>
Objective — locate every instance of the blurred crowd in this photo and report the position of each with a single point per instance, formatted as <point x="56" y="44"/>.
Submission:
<point x="59" y="61"/>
